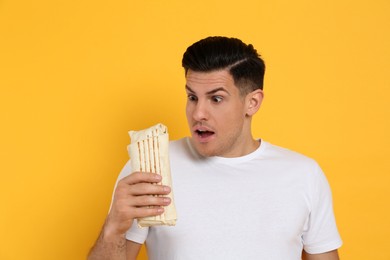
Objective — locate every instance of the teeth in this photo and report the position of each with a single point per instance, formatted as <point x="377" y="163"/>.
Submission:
<point x="201" y="132"/>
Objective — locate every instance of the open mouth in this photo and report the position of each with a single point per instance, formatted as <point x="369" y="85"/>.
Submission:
<point x="204" y="133"/>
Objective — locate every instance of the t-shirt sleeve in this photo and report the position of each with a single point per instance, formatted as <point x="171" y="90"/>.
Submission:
<point x="321" y="234"/>
<point x="135" y="233"/>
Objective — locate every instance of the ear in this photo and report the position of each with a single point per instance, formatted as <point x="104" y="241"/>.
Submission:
<point x="253" y="101"/>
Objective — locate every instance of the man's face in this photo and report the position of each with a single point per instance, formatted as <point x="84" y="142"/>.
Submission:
<point x="216" y="114"/>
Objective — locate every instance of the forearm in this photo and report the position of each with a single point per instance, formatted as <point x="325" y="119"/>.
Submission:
<point x="108" y="247"/>
<point x="132" y="199"/>
<point x="331" y="255"/>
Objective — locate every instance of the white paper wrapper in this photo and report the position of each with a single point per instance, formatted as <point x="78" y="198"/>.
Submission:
<point x="148" y="151"/>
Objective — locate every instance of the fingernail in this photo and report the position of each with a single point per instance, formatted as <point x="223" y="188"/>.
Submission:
<point x="159" y="210"/>
<point x="166" y="188"/>
<point x="166" y="199"/>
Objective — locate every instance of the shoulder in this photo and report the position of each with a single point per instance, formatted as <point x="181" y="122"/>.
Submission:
<point x="275" y="152"/>
<point x="180" y="148"/>
<point x="178" y="144"/>
<point x="292" y="162"/>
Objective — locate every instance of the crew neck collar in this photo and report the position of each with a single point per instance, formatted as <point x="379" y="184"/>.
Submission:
<point x="230" y="160"/>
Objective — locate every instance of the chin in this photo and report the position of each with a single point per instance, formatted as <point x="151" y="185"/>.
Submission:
<point x="204" y="151"/>
<point x="207" y="153"/>
<point x="201" y="150"/>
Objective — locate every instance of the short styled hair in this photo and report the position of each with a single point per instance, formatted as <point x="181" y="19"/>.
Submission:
<point x="218" y="53"/>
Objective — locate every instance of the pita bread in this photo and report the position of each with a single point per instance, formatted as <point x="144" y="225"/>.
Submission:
<point x="149" y="152"/>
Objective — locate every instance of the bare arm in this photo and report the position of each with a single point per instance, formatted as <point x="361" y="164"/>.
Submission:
<point x="131" y="196"/>
<point x="132" y="249"/>
<point x="107" y="247"/>
<point x="331" y="255"/>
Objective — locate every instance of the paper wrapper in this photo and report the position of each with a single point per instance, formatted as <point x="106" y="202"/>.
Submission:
<point x="148" y="151"/>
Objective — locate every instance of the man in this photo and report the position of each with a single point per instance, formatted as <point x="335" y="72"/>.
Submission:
<point x="236" y="197"/>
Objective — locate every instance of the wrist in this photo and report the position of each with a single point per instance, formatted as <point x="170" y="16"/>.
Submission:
<point x="111" y="233"/>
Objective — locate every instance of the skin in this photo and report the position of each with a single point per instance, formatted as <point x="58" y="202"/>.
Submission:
<point x="130" y="198"/>
<point x="214" y="105"/>
<point x="331" y="255"/>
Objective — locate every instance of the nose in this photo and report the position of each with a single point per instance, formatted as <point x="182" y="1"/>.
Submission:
<point x="200" y="112"/>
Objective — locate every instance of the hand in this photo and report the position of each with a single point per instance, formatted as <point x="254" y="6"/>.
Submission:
<point x="132" y="196"/>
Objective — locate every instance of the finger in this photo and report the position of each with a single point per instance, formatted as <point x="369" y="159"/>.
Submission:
<point x="148" y="189"/>
<point x="138" y="177"/>
<point x="142" y="201"/>
<point x="148" y="211"/>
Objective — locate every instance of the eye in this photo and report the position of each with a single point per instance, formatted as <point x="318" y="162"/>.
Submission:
<point x="217" y="99"/>
<point x="192" y="97"/>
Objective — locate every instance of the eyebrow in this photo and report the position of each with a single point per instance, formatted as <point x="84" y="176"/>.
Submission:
<point x="213" y="91"/>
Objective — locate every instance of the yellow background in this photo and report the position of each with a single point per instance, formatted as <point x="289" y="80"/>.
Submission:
<point x="75" y="76"/>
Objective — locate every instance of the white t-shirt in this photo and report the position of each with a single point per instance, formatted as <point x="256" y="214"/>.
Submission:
<point x="269" y="204"/>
